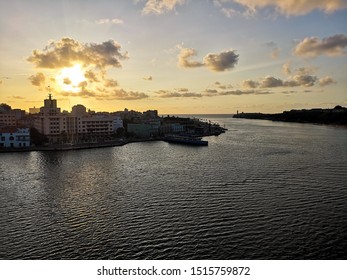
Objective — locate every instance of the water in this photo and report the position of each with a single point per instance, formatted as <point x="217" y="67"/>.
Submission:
<point x="263" y="190"/>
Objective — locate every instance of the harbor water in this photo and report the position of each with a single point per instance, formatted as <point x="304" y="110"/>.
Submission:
<point x="262" y="190"/>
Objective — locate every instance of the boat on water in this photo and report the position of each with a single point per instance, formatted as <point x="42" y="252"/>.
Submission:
<point x="185" y="139"/>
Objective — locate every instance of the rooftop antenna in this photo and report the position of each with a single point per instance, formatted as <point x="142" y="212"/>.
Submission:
<point x="49" y="94"/>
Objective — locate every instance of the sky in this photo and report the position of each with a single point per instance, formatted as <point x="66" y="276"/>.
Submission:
<point x="174" y="56"/>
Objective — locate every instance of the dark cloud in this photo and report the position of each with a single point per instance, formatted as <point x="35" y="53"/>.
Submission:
<point x="38" y="79"/>
<point x="243" y="92"/>
<point x="304" y="80"/>
<point x="301" y="77"/>
<point x="330" y="46"/>
<point x="91" y="76"/>
<point x="121" y="94"/>
<point x="102" y="94"/>
<point x="216" y="62"/>
<point x="67" y="52"/>
<point x="171" y="94"/>
<point x="223" y="61"/>
<point x="270" y="82"/>
<point x="211" y="91"/>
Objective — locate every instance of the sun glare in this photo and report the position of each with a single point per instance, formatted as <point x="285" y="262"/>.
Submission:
<point x="69" y="79"/>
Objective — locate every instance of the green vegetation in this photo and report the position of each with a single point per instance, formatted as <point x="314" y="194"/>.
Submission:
<point x="336" y="116"/>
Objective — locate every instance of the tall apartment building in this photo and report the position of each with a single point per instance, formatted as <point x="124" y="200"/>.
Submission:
<point x="50" y="121"/>
<point x="75" y="127"/>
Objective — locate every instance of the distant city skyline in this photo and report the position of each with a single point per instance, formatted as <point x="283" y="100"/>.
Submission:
<point x="175" y="56"/>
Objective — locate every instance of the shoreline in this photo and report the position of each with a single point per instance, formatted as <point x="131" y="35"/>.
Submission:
<point x="336" y="116"/>
<point x="81" y="146"/>
<point x="84" y="146"/>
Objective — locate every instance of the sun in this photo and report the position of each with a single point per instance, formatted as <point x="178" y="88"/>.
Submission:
<point x="70" y="79"/>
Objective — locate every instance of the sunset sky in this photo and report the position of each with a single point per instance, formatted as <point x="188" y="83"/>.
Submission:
<point x="176" y="56"/>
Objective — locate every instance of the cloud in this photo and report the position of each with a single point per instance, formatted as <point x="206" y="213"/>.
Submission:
<point x="270" y="82"/>
<point x="115" y="21"/>
<point x="184" y="58"/>
<point x="121" y="94"/>
<point x="242" y="92"/>
<point x="293" y="7"/>
<point x="223" y="61"/>
<point x="67" y="52"/>
<point x="159" y="7"/>
<point x="172" y="94"/>
<point x="117" y="94"/>
<point x="149" y="78"/>
<point x="110" y="83"/>
<point x="38" y="79"/>
<point x="221" y="86"/>
<point x="67" y="81"/>
<point x="93" y="61"/>
<point x="295" y="81"/>
<point x="330" y="46"/>
<point x="211" y="92"/>
<point x="91" y="76"/>
<point x="219" y="62"/>
<point x="325" y="81"/>
<point x="302" y="77"/>
<point x="250" y="84"/>
<point x="18" y="97"/>
<point x="286" y="68"/>
<point x="302" y="80"/>
<point x="182" y="89"/>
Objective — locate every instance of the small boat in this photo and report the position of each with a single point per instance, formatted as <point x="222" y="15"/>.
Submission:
<point x="185" y="139"/>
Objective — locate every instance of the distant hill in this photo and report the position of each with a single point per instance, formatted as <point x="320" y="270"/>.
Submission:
<point x="336" y="116"/>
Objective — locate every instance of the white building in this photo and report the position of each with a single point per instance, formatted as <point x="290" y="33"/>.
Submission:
<point x="15" y="137"/>
<point x="50" y="121"/>
<point x="75" y="127"/>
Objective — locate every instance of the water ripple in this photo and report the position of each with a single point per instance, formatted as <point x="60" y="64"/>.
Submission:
<point x="261" y="191"/>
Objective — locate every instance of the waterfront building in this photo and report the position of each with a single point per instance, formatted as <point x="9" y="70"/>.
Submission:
<point x="50" y="121"/>
<point x="74" y="127"/>
<point x="9" y="116"/>
<point x="7" y="119"/>
<point x="172" y="128"/>
<point x="13" y="137"/>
